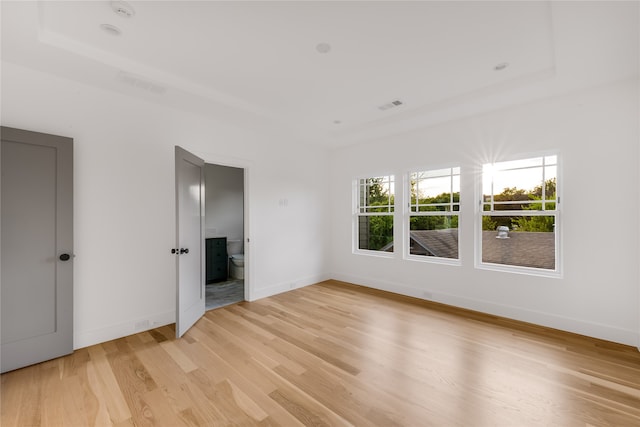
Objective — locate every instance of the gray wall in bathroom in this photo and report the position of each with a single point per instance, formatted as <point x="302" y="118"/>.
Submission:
<point x="224" y="202"/>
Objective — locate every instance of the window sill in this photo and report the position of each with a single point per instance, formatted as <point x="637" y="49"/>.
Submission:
<point x="434" y="260"/>
<point x="529" y="271"/>
<point x="377" y="254"/>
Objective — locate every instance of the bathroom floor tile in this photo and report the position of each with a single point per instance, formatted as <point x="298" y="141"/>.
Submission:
<point x="224" y="293"/>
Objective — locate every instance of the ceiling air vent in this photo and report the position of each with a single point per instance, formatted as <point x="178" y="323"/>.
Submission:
<point x="141" y="83"/>
<point x="390" y="105"/>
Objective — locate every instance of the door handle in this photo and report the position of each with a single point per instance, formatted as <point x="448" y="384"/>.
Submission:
<point x="184" y="250"/>
<point x="65" y="257"/>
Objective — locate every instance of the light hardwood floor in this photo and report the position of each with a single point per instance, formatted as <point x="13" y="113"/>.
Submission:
<point x="334" y="354"/>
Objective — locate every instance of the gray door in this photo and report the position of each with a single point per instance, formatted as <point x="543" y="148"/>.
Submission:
<point x="37" y="247"/>
<point x="189" y="250"/>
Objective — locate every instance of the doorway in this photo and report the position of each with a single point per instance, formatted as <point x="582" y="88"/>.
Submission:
<point x="224" y="235"/>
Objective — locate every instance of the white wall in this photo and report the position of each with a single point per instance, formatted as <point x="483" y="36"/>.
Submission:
<point x="125" y="221"/>
<point x="224" y="202"/>
<point x="596" y="133"/>
<point x="124" y="198"/>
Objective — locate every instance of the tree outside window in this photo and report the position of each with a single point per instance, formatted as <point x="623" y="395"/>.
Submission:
<point x="375" y="209"/>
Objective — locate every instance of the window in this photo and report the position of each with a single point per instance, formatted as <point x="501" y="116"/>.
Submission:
<point x="519" y="215"/>
<point x="374" y="214"/>
<point x="434" y="209"/>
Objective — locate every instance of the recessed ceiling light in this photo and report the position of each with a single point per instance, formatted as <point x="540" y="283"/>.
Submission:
<point x="323" y="47"/>
<point x="501" y="66"/>
<point x="111" y="29"/>
<point x="123" y="9"/>
<point x="337" y="122"/>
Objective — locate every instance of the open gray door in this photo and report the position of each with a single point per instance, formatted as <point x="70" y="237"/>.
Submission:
<point x="37" y="247"/>
<point x="189" y="240"/>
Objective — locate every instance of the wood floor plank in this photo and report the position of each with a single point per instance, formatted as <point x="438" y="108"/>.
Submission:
<point x="215" y="370"/>
<point x="73" y="401"/>
<point x="28" y="386"/>
<point x="245" y="403"/>
<point x="235" y="359"/>
<point x="51" y="405"/>
<point x="330" y="394"/>
<point x="303" y="339"/>
<point x="96" y="389"/>
<point x="293" y="404"/>
<point x="168" y="375"/>
<point x="242" y="330"/>
<point x="334" y="354"/>
<point x="178" y="356"/>
<point x="106" y="385"/>
<point x="11" y="401"/>
<point x="156" y="411"/>
<point x="302" y="406"/>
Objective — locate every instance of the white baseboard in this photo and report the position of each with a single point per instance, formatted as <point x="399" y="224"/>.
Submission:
<point x="577" y="326"/>
<point x="595" y="330"/>
<point x="119" y="330"/>
<point x="123" y="329"/>
<point x="257" y="294"/>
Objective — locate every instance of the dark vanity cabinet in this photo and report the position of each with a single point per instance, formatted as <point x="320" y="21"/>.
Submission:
<point x="217" y="259"/>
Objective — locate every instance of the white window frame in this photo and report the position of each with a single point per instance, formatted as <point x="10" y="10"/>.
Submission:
<point x="358" y="213"/>
<point x="410" y="212"/>
<point x="556" y="213"/>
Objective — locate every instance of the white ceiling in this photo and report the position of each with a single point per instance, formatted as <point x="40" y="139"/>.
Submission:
<point x="256" y="63"/>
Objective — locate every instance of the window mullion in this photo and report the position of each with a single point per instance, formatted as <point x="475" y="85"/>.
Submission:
<point x="544" y="184"/>
<point x="519" y="213"/>
<point x="451" y="190"/>
<point x="492" y="191"/>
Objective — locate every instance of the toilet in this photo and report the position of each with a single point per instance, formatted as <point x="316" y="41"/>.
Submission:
<point x="236" y="259"/>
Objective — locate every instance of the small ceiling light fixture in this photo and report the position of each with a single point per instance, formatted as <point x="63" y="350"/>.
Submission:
<point x="123" y="9"/>
<point x="337" y="122"/>
<point x="501" y="66"/>
<point x="323" y="47"/>
<point x="111" y="29"/>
